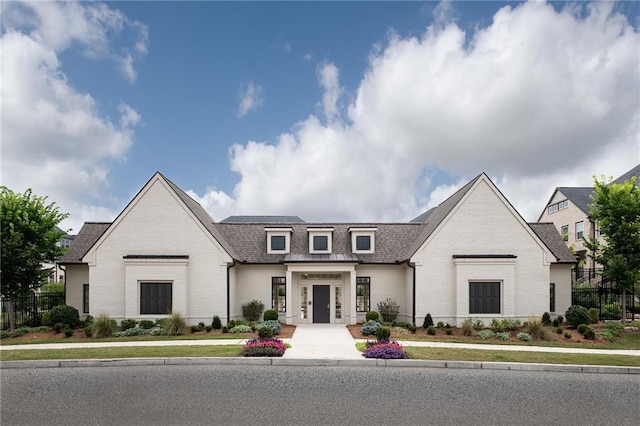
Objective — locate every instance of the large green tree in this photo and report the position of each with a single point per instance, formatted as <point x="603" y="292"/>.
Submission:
<point x="616" y="210"/>
<point x="30" y="236"/>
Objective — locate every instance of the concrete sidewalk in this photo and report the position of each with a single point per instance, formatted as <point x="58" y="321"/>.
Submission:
<point x="326" y="341"/>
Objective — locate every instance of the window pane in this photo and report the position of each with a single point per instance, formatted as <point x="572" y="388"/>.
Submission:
<point x="363" y="294"/>
<point x="363" y="242"/>
<point x="278" y="294"/>
<point x="85" y="298"/>
<point x="552" y="297"/>
<point x="278" y="242"/>
<point x="320" y="242"/>
<point x="579" y="230"/>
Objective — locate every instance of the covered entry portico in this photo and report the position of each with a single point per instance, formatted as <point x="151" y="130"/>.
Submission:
<point x="321" y="291"/>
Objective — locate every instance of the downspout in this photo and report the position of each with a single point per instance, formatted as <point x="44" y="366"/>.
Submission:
<point x="413" y="298"/>
<point x="65" y="281"/>
<point x="228" y="287"/>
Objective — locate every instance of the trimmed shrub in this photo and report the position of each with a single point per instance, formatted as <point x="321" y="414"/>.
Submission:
<point x="384" y="350"/>
<point x="555" y="322"/>
<point x="265" y="332"/>
<point x="372" y="315"/>
<point x="240" y="329"/>
<point x="21" y="331"/>
<point x="589" y="334"/>
<point x="427" y="321"/>
<point x="225" y="329"/>
<point x="558" y="330"/>
<point x="440" y="324"/>
<point x="270" y="315"/>
<point x="127" y="324"/>
<point x="103" y="326"/>
<point x="176" y="325"/>
<point x="137" y="332"/>
<point x="216" y="324"/>
<point x="467" y="327"/>
<point x="577" y="315"/>
<point x="448" y="330"/>
<point x="485" y="334"/>
<point x="496" y="326"/>
<point x="263" y="347"/>
<point x="594" y="315"/>
<point x="273" y="325"/>
<point x="88" y="320"/>
<point x="64" y="314"/>
<point x="412" y="328"/>
<point x="502" y="336"/>
<point x="370" y="327"/>
<point x="560" y="319"/>
<point x="567" y="335"/>
<point x="146" y="324"/>
<point x="388" y="309"/>
<point x="431" y="330"/>
<point x="582" y="328"/>
<point x="525" y="337"/>
<point x="546" y="319"/>
<point x="252" y="311"/>
<point x="88" y="331"/>
<point x="68" y="332"/>
<point x="208" y="328"/>
<point x="58" y="327"/>
<point x="478" y="324"/>
<point x="161" y="322"/>
<point x="46" y="319"/>
<point x="383" y="334"/>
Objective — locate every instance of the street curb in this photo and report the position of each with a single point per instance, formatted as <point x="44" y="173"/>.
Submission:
<point x="303" y="362"/>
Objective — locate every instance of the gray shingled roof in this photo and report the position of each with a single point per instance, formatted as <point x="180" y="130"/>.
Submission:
<point x="627" y="176"/>
<point x="549" y="235"/>
<point x="262" y="219"/>
<point x="391" y="240"/>
<point x="580" y="196"/>
<point x="86" y="238"/>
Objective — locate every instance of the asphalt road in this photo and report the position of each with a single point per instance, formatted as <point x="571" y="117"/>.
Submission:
<point x="268" y="395"/>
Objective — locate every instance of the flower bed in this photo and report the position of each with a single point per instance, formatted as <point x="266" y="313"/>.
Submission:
<point x="264" y="347"/>
<point x="384" y="350"/>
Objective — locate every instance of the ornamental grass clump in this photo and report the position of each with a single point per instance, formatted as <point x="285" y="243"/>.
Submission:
<point x="264" y="347"/>
<point x="176" y="325"/>
<point x="384" y="350"/>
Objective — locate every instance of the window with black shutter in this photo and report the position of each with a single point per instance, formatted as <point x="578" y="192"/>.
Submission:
<point x="484" y="297"/>
<point x="155" y="298"/>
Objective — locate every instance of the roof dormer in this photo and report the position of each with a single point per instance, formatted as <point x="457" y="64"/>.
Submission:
<point x="363" y="240"/>
<point x="320" y="240"/>
<point x="278" y="240"/>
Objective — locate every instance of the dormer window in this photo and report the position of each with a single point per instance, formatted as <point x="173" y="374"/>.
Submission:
<point x="278" y="240"/>
<point x="320" y="240"/>
<point x="363" y="240"/>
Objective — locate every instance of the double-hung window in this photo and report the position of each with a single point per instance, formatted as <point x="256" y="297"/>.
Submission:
<point x="579" y="230"/>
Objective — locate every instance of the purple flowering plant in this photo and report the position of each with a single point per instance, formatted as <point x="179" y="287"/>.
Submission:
<point x="264" y="347"/>
<point x="384" y="350"/>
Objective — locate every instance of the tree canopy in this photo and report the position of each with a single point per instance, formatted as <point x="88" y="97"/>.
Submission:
<point x="29" y="237"/>
<point x="616" y="210"/>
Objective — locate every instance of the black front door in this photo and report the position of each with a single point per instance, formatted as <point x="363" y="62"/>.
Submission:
<point x="321" y="303"/>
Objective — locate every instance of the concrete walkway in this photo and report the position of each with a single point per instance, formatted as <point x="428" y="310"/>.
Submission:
<point x="324" y="341"/>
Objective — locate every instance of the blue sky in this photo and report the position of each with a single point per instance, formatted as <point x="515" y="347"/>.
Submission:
<point x="327" y="110"/>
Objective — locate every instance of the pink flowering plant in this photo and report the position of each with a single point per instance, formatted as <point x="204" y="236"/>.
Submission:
<point x="384" y="350"/>
<point x="264" y="347"/>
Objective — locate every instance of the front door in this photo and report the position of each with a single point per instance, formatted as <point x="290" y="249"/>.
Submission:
<point x="321" y="301"/>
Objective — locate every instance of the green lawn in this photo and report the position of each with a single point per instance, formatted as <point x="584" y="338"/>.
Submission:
<point x="125" y="352"/>
<point x="226" y="336"/>
<point x="528" y="357"/>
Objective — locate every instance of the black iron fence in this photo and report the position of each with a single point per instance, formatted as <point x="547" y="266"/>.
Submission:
<point x="608" y="301"/>
<point x="28" y="310"/>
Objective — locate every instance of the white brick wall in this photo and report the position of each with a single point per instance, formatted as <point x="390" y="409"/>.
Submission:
<point x="157" y="223"/>
<point x="76" y="276"/>
<point x="481" y="224"/>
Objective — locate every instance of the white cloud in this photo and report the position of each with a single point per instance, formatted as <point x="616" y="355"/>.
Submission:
<point x="54" y="138"/>
<point x="328" y="79"/>
<point x="537" y="99"/>
<point x="250" y="98"/>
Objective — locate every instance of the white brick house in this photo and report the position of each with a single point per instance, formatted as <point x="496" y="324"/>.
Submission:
<point x="472" y="256"/>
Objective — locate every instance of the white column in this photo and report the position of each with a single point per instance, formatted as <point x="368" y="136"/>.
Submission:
<point x="289" y="297"/>
<point x="352" y="297"/>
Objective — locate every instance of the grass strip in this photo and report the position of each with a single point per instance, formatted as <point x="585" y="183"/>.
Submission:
<point x="528" y="357"/>
<point x="124" y="352"/>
